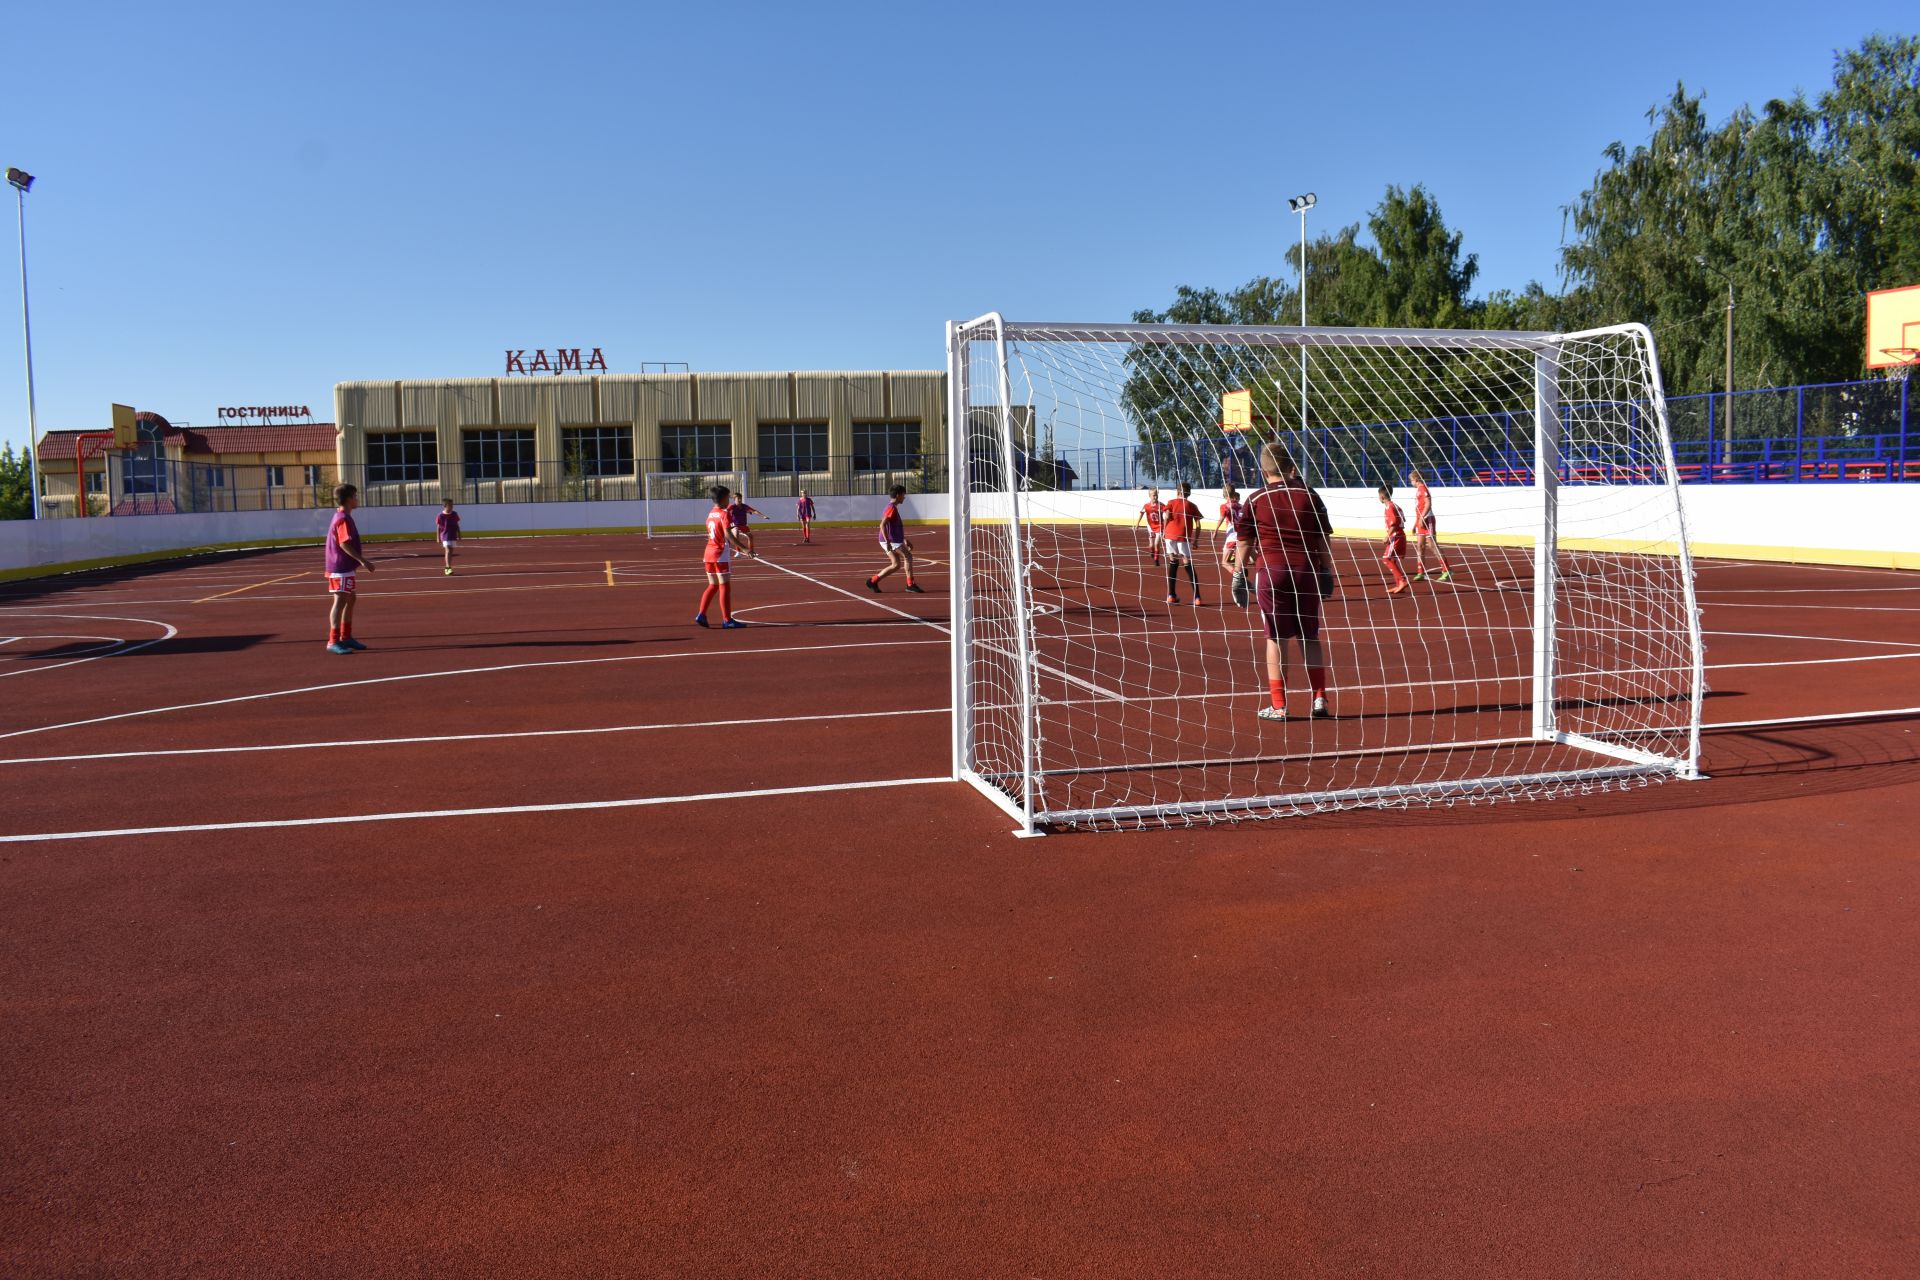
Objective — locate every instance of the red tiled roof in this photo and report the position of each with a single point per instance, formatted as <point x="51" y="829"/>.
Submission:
<point x="295" y="437"/>
<point x="298" y="437"/>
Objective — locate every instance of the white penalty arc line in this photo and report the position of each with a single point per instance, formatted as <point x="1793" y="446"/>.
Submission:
<point x="473" y="737"/>
<point x="414" y="815"/>
<point x="168" y="629"/>
<point x="460" y="671"/>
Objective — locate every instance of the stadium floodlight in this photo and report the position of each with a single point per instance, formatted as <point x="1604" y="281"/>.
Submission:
<point x="1300" y="204"/>
<point x="1562" y="656"/>
<point x="22" y="182"/>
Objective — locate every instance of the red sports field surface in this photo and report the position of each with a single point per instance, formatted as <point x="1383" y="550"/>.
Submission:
<point x="606" y="1027"/>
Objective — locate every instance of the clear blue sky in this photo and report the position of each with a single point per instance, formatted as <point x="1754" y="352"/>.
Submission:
<point x="246" y="204"/>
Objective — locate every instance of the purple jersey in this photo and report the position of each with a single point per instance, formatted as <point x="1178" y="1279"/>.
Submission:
<point x="448" y="525"/>
<point x="892" y="528"/>
<point x="803" y="509"/>
<point x="343" y="544"/>
<point x="737" y="515"/>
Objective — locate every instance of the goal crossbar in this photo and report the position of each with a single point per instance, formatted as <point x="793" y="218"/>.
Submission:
<point x="687" y="487"/>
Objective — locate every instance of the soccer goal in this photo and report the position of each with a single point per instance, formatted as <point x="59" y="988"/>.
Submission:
<point x="675" y="503"/>
<point x="1551" y="647"/>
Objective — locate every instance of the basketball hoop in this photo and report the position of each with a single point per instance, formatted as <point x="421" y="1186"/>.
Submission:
<point x="1902" y="359"/>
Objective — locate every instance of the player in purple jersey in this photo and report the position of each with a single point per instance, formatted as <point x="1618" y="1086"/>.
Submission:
<point x="737" y="513"/>
<point x="893" y="541"/>
<point x="803" y="510"/>
<point x="344" y="562"/>
<point x="446" y="526"/>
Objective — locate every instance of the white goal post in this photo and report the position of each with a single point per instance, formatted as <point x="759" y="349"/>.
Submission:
<point x="675" y="492"/>
<point x="1551" y="646"/>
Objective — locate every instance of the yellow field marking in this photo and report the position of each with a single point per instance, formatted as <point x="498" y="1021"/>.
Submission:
<point x="251" y="586"/>
<point x="609" y="573"/>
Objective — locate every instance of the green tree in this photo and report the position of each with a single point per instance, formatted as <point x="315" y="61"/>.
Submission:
<point x="16" y="487"/>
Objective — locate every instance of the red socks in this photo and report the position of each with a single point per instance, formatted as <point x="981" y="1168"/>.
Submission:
<point x="706" y="597"/>
<point x="333" y="635"/>
<point x="1317" y="677"/>
<point x="1278" y="688"/>
<point x="726" y="601"/>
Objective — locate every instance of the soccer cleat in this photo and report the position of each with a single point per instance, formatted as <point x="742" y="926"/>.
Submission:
<point x="916" y="588"/>
<point x="1421" y="576"/>
<point x="1445" y="575"/>
<point x="1271" y="712"/>
<point x="1197" y="602"/>
<point x="699" y="619"/>
<point x="732" y="624"/>
<point x="873" y="586"/>
<point x="353" y="644"/>
<point x="1320" y="711"/>
<point x="1394" y="591"/>
<point x="1173" y="599"/>
<point x="337" y="647"/>
<point x="449" y="571"/>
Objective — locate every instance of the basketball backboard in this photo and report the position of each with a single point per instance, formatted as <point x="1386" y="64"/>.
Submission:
<point x="126" y="433"/>
<point x="1893" y="326"/>
<point x="1236" y="411"/>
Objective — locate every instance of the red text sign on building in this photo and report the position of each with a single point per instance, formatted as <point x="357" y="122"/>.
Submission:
<point x="266" y="411"/>
<point x="565" y="360"/>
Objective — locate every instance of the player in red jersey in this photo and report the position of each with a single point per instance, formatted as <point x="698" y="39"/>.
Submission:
<point x="1152" y="514"/>
<point x="1425" y="532"/>
<point x="1396" y="547"/>
<point x="1180" y="519"/>
<point x="1283" y="535"/>
<point x="1231" y="509"/>
<point x="803" y="510"/>
<point x="893" y="541"/>
<point x="722" y="539"/>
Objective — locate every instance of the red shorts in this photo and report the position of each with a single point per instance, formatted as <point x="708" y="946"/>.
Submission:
<point x="1396" y="546"/>
<point x="340" y="584"/>
<point x="722" y="567"/>
<point x="1424" y="528"/>
<point x="1289" y="604"/>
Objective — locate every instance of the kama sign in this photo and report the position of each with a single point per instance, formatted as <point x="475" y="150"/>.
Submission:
<point x="565" y="360"/>
<point x="266" y="411"/>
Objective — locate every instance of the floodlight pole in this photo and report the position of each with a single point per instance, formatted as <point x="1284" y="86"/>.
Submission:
<point x="21" y="181"/>
<point x="1727" y="450"/>
<point x="1300" y="205"/>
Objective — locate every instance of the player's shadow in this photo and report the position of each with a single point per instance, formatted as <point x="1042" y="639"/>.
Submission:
<point x="205" y="644"/>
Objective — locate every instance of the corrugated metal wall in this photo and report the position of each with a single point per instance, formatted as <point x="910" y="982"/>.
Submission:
<point x="742" y="401"/>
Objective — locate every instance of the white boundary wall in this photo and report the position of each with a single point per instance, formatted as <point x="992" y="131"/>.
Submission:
<point x="1867" y="523"/>
<point x="74" y="541"/>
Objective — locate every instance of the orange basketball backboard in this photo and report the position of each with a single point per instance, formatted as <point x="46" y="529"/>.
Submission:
<point x="1236" y="411"/>
<point x="1893" y="326"/>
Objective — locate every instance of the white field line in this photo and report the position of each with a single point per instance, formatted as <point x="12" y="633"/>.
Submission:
<point x="414" y="815"/>
<point x="474" y="737"/>
<point x="869" y="598"/>
<point x="169" y="632"/>
<point x="459" y="671"/>
<point x="1767" y="635"/>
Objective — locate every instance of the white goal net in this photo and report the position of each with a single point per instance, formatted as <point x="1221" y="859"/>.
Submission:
<point x="1552" y="644"/>
<point x="675" y="503"/>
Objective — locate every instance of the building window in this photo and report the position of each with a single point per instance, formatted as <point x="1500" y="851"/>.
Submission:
<point x="396" y="457"/>
<point x="145" y="469"/>
<point x="696" y="447"/>
<point x="96" y="482"/>
<point x="597" y="451"/>
<point x="276" y="477"/>
<point x="316" y="475"/>
<point x="886" y="446"/>
<point x="789" y="448"/>
<point x="216" y="477"/>
<point x="499" y="455"/>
